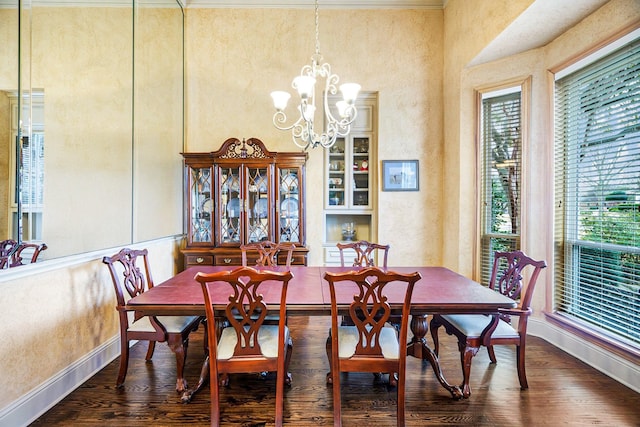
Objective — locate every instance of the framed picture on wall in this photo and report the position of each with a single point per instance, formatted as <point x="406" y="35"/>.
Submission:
<point x="400" y="175"/>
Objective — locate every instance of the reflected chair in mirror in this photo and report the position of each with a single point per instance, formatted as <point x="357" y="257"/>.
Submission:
<point x="267" y="253"/>
<point x="370" y="345"/>
<point x="475" y="330"/>
<point x="131" y="275"/>
<point x="7" y="249"/>
<point x="245" y="343"/>
<point x="26" y="253"/>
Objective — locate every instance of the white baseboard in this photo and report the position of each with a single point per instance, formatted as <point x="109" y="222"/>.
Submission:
<point x="29" y="407"/>
<point x="612" y="365"/>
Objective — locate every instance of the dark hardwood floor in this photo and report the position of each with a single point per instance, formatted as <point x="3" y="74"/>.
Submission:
<point x="562" y="391"/>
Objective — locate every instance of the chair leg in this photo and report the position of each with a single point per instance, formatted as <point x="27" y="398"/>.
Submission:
<point x="466" y="355"/>
<point x="492" y="354"/>
<point x="337" y="405"/>
<point x="124" y="362"/>
<point x="401" y="400"/>
<point x="150" y="350"/>
<point x="522" y="374"/>
<point x="179" y="346"/>
<point x="287" y="360"/>
<point x="328" y="350"/>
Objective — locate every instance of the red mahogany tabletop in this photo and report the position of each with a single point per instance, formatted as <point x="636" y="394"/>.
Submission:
<point x="440" y="290"/>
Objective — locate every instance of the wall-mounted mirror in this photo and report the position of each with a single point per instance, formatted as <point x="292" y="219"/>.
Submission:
<point x="96" y="91"/>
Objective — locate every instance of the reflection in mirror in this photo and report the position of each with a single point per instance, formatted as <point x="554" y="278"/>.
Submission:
<point x="9" y="117"/>
<point x="158" y="119"/>
<point x="107" y="176"/>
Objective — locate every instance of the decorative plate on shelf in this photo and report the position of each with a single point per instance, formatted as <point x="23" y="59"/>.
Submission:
<point x="261" y="208"/>
<point x="233" y="208"/>
<point x="207" y="206"/>
<point x="289" y="208"/>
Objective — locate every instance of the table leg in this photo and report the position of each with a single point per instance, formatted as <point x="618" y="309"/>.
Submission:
<point x="418" y="348"/>
<point x="204" y="377"/>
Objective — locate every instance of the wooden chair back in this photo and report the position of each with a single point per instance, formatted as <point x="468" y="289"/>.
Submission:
<point x="245" y="312"/>
<point x="268" y="252"/>
<point x="378" y="347"/>
<point x="365" y="253"/>
<point x="507" y="278"/>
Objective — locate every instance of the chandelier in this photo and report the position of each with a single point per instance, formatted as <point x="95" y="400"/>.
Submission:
<point x="304" y="134"/>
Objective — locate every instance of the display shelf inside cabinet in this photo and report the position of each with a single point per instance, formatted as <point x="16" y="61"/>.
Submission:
<point x="242" y="193"/>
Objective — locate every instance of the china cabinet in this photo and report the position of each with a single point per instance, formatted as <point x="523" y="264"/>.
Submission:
<point x="350" y="183"/>
<point x="239" y="194"/>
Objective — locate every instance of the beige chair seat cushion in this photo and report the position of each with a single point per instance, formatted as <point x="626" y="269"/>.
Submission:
<point x="173" y="324"/>
<point x="472" y="325"/>
<point x="267" y="338"/>
<point x="348" y="339"/>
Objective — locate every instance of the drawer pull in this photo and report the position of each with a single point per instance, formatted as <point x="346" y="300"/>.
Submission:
<point x="199" y="260"/>
<point x="227" y="260"/>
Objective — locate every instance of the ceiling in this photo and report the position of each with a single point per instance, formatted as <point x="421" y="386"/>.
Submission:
<point x="538" y="25"/>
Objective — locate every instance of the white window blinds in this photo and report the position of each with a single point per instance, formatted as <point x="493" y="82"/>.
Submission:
<point x="597" y="158"/>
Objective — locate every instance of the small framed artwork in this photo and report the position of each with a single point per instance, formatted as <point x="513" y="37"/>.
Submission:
<point x="400" y="175"/>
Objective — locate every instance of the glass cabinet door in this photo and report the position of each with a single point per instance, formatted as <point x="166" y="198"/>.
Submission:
<point x="360" y="184"/>
<point x="200" y="205"/>
<point x="337" y="163"/>
<point x="289" y="213"/>
<point x="231" y="206"/>
<point x="257" y="203"/>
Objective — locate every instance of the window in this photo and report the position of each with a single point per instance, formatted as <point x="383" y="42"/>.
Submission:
<point x="501" y="147"/>
<point x="597" y="232"/>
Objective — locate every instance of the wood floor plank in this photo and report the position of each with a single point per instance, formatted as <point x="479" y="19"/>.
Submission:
<point x="562" y="391"/>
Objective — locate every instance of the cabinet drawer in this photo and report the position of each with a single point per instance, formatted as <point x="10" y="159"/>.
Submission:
<point x="228" y="259"/>
<point x="198" y="260"/>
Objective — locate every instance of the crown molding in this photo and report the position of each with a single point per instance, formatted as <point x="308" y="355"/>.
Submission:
<point x="242" y="4"/>
<point x="323" y="4"/>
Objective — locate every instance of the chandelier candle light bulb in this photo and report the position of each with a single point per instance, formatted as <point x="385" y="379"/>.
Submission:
<point x="304" y="134"/>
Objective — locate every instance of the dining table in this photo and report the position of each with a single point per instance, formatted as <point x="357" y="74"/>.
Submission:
<point x="439" y="291"/>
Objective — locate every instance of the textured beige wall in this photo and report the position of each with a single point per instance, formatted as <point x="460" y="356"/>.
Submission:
<point x="50" y="320"/>
<point x="465" y="35"/>
<point x="235" y="58"/>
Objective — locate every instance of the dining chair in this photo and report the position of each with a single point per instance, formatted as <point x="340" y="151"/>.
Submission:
<point x="267" y="252"/>
<point x="267" y="255"/>
<point x="370" y="345"/>
<point x="475" y="330"/>
<point x="131" y="275"/>
<point x="365" y="253"/>
<point x="245" y="342"/>
<point x="365" y="256"/>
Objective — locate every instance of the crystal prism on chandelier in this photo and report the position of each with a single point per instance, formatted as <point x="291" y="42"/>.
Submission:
<point x="303" y="133"/>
